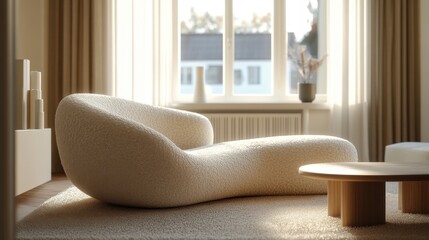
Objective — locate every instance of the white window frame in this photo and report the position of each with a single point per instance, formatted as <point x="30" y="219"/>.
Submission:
<point x="278" y="53"/>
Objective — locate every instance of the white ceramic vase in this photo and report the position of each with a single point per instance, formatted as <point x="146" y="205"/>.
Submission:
<point x="199" y="91"/>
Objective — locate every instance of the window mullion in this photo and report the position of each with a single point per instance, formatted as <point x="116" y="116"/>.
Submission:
<point x="279" y="49"/>
<point x="228" y="49"/>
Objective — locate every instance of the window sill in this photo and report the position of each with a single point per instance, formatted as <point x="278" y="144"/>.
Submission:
<point x="251" y="107"/>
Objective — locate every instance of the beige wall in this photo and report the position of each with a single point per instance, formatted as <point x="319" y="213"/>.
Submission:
<point x="30" y="30"/>
<point x="425" y="68"/>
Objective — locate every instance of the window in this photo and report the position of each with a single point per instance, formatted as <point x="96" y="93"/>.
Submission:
<point x="302" y="19"/>
<point x="246" y="51"/>
<point x="201" y="28"/>
<point x="252" y="45"/>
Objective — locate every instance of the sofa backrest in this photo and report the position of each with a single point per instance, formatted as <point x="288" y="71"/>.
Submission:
<point x="185" y="129"/>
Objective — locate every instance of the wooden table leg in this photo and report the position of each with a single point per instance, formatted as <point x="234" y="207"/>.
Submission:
<point x="363" y="203"/>
<point x="334" y="198"/>
<point x="413" y="197"/>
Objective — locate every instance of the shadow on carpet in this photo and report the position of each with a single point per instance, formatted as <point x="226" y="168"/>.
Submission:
<point x="74" y="215"/>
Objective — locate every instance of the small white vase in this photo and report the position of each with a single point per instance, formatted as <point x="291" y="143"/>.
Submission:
<point x="199" y="91"/>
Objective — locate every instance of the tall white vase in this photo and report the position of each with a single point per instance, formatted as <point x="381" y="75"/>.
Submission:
<point x="22" y="87"/>
<point x="199" y="91"/>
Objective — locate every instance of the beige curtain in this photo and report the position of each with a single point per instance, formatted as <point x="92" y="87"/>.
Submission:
<point x="348" y="31"/>
<point x="75" y="55"/>
<point x="395" y="74"/>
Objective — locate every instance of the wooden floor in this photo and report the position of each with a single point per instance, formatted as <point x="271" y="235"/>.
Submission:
<point x="28" y="202"/>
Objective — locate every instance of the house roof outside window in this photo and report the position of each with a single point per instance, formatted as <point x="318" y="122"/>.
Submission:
<point x="209" y="46"/>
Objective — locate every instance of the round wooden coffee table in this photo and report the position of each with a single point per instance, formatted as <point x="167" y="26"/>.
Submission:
<point x="357" y="190"/>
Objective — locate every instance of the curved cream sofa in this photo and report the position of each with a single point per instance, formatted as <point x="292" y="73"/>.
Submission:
<point x="133" y="154"/>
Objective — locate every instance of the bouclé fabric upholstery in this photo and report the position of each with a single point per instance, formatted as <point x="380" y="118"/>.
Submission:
<point x="132" y="154"/>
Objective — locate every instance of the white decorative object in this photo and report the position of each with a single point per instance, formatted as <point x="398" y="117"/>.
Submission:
<point x="22" y="87"/>
<point x="40" y="118"/>
<point x="32" y="158"/>
<point x="36" y="80"/>
<point x="200" y="91"/>
<point x="34" y="95"/>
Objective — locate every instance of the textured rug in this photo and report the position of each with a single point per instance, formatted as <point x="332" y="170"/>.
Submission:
<point x="74" y="215"/>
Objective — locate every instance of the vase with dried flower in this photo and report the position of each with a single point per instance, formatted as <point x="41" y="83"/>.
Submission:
<point x="307" y="67"/>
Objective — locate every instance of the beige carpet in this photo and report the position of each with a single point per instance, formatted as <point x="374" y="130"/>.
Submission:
<point x="74" y="215"/>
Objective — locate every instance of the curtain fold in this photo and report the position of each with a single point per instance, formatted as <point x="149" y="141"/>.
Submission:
<point x="143" y="50"/>
<point x="348" y="71"/>
<point x="395" y="74"/>
<point x="75" y="53"/>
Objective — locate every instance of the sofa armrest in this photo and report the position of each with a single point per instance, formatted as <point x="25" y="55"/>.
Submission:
<point x="186" y="129"/>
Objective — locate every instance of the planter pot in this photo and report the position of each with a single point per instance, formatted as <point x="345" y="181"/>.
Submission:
<point x="307" y="92"/>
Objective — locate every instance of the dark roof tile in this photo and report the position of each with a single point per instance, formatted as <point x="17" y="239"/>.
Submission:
<point x="209" y="46"/>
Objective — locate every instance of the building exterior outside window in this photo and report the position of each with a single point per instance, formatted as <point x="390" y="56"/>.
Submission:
<point x="254" y="75"/>
<point x="186" y="76"/>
